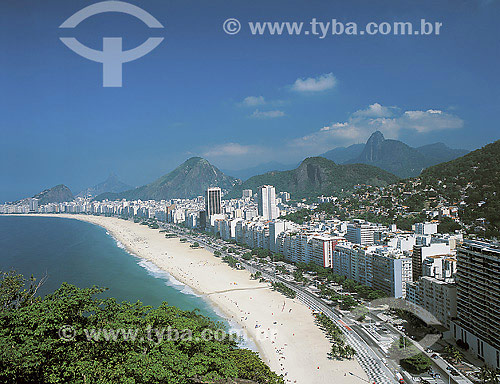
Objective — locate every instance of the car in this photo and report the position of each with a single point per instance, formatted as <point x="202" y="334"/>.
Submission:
<point x="435" y="356"/>
<point x="454" y="372"/>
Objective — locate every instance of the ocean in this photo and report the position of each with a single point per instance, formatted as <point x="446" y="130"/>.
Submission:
<point x="84" y="255"/>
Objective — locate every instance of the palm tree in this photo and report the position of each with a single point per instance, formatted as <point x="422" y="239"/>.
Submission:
<point x="484" y="374"/>
<point x="457" y="355"/>
<point x="493" y="376"/>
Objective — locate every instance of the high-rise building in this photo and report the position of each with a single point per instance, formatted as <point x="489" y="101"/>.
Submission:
<point x="267" y="202"/>
<point x="391" y="273"/>
<point x="421" y="252"/>
<point x="425" y="228"/>
<point x="478" y="300"/>
<point x="213" y="205"/>
<point x="360" y="232"/>
<point x="437" y="296"/>
<point x="33" y="205"/>
<point x="247" y="193"/>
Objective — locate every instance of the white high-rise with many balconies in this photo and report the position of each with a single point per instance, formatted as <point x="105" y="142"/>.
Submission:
<point x="267" y="202"/>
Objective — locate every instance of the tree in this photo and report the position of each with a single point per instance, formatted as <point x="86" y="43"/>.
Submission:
<point x="32" y="348"/>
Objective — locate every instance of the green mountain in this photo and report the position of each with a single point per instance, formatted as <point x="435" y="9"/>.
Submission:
<point x="473" y="183"/>
<point x="187" y="181"/>
<point x="395" y="156"/>
<point x="111" y="184"/>
<point x="316" y="176"/>
<point x="342" y="155"/>
<point x="58" y="194"/>
<point x="440" y="152"/>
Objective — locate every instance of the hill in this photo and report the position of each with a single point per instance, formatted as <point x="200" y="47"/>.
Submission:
<point x="246" y="173"/>
<point x="393" y="155"/>
<point x="58" y="194"/>
<point x="111" y="184"/>
<point x="440" y="152"/>
<point x="317" y="176"/>
<point x="473" y="183"/>
<point x="187" y="181"/>
<point x="342" y="155"/>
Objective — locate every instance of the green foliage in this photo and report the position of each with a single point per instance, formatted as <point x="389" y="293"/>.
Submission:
<point x="475" y="179"/>
<point x="448" y="225"/>
<point x="247" y="256"/>
<point x="195" y="245"/>
<point x="317" y="176"/>
<point x="231" y="260"/>
<point x="339" y="349"/>
<point x="31" y="350"/>
<point x="217" y="253"/>
<point x="281" y="287"/>
<point x="350" y="285"/>
<point x="409" y="356"/>
<point x="257" y="275"/>
<point x="299" y="217"/>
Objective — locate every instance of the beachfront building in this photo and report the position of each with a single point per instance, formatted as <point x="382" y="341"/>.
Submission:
<point x="478" y="300"/>
<point x="391" y="271"/>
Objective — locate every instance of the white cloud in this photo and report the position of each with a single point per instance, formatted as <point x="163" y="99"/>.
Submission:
<point x="253" y="101"/>
<point x="228" y="149"/>
<point x="267" y="114"/>
<point x="375" y="110"/>
<point x="391" y="121"/>
<point x="315" y="84"/>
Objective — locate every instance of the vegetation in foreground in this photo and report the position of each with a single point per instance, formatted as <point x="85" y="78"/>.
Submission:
<point x="31" y="350"/>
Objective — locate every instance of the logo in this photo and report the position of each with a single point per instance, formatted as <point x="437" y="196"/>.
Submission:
<point x="112" y="55"/>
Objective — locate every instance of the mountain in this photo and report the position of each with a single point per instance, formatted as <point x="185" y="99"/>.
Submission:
<point x="58" y="194"/>
<point x="316" y="176"/>
<point x="472" y="182"/>
<point x="244" y="174"/>
<point x="400" y="159"/>
<point x="342" y="155"/>
<point x="441" y="153"/>
<point x="111" y="184"/>
<point x="187" y="181"/>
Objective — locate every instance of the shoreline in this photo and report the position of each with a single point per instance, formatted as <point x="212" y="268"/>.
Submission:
<point x="282" y="329"/>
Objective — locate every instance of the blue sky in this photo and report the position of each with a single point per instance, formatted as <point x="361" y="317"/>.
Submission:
<point x="237" y="100"/>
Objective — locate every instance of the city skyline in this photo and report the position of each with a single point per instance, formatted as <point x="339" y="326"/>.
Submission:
<point x="219" y="99"/>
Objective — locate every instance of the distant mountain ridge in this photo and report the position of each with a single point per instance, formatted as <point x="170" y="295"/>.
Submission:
<point x="58" y="194"/>
<point x="111" y="184"/>
<point x="395" y="156"/>
<point x="316" y="176"/>
<point x="189" y="180"/>
<point x="246" y="173"/>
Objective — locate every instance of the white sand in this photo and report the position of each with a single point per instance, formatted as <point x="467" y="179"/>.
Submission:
<point x="288" y="339"/>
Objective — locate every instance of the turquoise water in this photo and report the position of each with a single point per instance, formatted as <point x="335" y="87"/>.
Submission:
<point x="84" y="254"/>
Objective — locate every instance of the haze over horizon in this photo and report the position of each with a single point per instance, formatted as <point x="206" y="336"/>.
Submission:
<point x="238" y="101"/>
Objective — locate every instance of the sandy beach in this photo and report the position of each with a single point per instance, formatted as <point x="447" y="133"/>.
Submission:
<point x="283" y="329"/>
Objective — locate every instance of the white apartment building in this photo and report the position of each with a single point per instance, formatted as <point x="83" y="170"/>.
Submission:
<point x="427" y="228"/>
<point x="436" y="296"/>
<point x="267" y="202"/>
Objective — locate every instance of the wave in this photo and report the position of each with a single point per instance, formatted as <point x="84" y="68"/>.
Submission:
<point x="158" y="273"/>
<point x="118" y="243"/>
